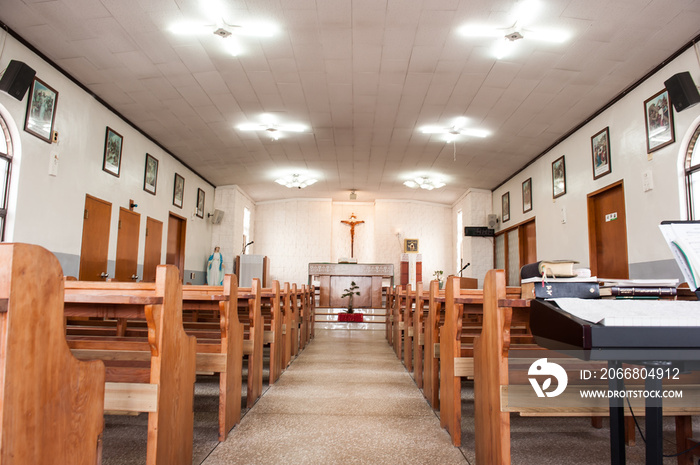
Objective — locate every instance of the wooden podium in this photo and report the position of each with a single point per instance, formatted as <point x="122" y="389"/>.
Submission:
<point x="249" y="267"/>
<point x="334" y="278"/>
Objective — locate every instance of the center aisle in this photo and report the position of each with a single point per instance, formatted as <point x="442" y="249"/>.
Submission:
<point x="345" y="400"/>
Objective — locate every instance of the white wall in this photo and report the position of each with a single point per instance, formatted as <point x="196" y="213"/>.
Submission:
<point x="229" y="233"/>
<point x="430" y="223"/>
<point x="475" y="205"/>
<point x="49" y="210"/>
<point x="294" y="233"/>
<point x="647" y="249"/>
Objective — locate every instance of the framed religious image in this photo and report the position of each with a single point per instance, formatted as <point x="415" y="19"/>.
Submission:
<point x="178" y="190"/>
<point x="558" y="177"/>
<point x="112" y="160"/>
<point x="410" y="246"/>
<point x="527" y="195"/>
<point x="505" y="207"/>
<point x="658" y="118"/>
<point x="600" y="153"/>
<point x="150" y="175"/>
<point x="41" y="110"/>
<point x="200" y="203"/>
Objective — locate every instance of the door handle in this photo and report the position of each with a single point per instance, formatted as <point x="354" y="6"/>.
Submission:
<point x="104" y="274"/>
<point x="135" y="277"/>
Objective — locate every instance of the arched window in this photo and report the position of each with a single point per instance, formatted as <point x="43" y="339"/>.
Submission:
<point x="5" y="165"/>
<point x="692" y="176"/>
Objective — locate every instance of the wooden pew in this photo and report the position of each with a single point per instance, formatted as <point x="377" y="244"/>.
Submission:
<point x="397" y="313"/>
<point x="250" y="315"/>
<point x="407" y="318"/>
<point x="52" y="404"/>
<point x="221" y="352"/>
<point x="294" y="320"/>
<point x="389" y="318"/>
<point x="288" y="318"/>
<point x="420" y="299"/>
<point x="431" y="340"/>
<point x="491" y="356"/>
<point x="272" y="317"/>
<point x="456" y="348"/>
<point x="166" y="373"/>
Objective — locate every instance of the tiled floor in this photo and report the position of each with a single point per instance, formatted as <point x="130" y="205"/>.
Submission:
<point x="346" y="399"/>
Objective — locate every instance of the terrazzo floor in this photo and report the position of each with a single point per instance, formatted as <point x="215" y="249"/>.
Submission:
<point x="346" y="399"/>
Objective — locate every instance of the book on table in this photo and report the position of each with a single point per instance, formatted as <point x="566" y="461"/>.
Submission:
<point x="549" y="268"/>
<point x="683" y="238"/>
<point x="638" y="287"/>
<point x="551" y="288"/>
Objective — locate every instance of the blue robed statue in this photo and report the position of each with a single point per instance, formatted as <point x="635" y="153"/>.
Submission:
<point x="215" y="268"/>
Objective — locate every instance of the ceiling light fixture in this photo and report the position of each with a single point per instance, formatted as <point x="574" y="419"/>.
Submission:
<point x="353" y="195"/>
<point x="299" y="181"/>
<point x="270" y="125"/>
<point x="215" y="11"/>
<point x="424" y="182"/>
<point x="522" y="15"/>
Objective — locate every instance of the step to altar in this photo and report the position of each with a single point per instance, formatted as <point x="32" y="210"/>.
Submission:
<point x="373" y="319"/>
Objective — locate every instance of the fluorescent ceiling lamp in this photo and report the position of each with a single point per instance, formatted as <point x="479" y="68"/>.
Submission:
<point x="299" y="181"/>
<point x="424" y="182"/>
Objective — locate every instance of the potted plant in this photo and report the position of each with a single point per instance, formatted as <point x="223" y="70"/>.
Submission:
<point x="438" y="277"/>
<point x="350" y="292"/>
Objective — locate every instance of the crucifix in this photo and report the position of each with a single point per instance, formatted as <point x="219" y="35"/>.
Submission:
<point x="352" y="224"/>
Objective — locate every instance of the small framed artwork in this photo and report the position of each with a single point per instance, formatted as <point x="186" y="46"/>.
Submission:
<point x="600" y="153"/>
<point x="150" y="175"/>
<point x="178" y="190"/>
<point x="41" y="110"/>
<point x="410" y="246"/>
<point x="558" y="177"/>
<point x="200" y="203"/>
<point x="527" y="195"/>
<point x="112" y="160"/>
<point x="505" y="207"/>
<point x="658" y="118"/>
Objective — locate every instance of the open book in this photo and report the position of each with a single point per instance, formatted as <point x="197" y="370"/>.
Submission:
<point x="683" y="237"/>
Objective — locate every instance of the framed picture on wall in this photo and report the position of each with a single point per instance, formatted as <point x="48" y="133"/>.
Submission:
<point x="558" y="177"/>
<point x="600" y="153"/>
<point x="178" y="190"/>
<point x="150" y="175"/>
<point x="527" y="195"/>
<point x="200" y="203"/>
<point x="41" y="110"/>
<point x="410" y="246"/>
<point x="505" y="207"/>
<point x="658" y="118"/>
<point x="112" y="159"/>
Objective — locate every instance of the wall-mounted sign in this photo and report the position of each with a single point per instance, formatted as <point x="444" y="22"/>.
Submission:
<point x="478" y="231"/>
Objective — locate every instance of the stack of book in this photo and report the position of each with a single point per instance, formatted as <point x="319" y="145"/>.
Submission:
<point x="638" y="288"/>
<point x="560" y="278"/>
<point x="556" y="279"/>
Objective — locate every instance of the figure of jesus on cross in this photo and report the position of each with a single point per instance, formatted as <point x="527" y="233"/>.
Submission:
<point x="352" y="224"/>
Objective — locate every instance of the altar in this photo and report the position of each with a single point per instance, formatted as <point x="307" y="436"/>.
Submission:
<point x="334" y="278"/>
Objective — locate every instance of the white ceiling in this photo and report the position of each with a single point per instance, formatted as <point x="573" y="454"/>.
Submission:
<point x="364" y="75"/>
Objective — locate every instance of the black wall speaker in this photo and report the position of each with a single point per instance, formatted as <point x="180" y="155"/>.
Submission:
<point x="17" y="79"/>
<point x="682" y="91"/>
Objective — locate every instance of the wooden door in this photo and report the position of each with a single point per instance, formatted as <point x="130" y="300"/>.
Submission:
<point x="151" y="253"/>
<point x="95" y="242"/>
<point x="126" y="268"/>
<point x="528" y="243"/>
<point x="607" y="232"/>
<point x="175" y="254"/>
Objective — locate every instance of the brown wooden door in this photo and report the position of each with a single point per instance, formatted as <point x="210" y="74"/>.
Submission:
<point x="95" y="242"/>
<point x="607" y="232"/>
<point x="528" y="243"/>
<point x="126" y="268"/>
<point x="175" y="254"/>
<point x="151" y="253"/>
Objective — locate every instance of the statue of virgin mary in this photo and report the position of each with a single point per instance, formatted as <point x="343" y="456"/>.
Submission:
<point x="215" y="268"/>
